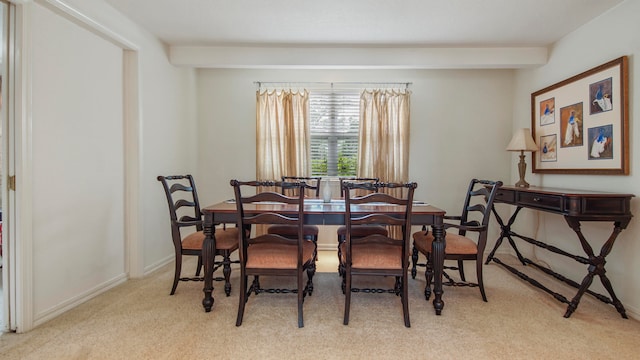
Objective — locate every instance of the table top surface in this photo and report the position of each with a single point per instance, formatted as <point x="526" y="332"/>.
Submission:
<point x="565" y="192"/>
<point x="313" y="206"/>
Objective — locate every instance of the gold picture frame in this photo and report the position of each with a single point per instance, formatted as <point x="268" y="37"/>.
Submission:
<point x="581" y="124"/>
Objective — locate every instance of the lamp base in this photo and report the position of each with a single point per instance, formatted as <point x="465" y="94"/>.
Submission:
<point x="522" y="168"/>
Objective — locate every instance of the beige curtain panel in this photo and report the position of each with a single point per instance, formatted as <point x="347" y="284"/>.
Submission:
<point x="282" y="134"/>
<point x="384" y="139"/>
<point x="384" y="135"/>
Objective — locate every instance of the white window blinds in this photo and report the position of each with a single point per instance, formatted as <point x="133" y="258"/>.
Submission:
<point x="334" y="117"/>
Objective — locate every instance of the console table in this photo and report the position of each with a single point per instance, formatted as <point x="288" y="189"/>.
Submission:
<point x="575" y="206"/>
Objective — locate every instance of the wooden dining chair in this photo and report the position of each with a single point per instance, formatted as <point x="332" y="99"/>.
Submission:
<point x="290" y="186"/>
<point x="377" y="254"/>
<point x="459" y="246"/>
<point x="273" y="254"/>
<point x="187" y="234"/>
<point x="357" y="179"/>
<point x="361" y="230"/>
<point x="311" y="188"/>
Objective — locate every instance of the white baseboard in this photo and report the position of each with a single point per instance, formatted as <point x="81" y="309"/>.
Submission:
<point x="77" y="300"/>
<point x="91" y="293"/>
<point x="157" y="265"/>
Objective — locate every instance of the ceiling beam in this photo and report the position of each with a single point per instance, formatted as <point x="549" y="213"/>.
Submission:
<point x="257" y="57"/>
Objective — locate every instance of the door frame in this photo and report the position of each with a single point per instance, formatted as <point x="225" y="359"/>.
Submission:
<point x="8" y="197"/>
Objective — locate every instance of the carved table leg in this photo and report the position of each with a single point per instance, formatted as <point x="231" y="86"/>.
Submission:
<point x="226" y="271"/>
<point x="208" y="248"/>
<point x="616" y="302"/>
<point x="437" y="254"/>
<point x="596" y="266"/>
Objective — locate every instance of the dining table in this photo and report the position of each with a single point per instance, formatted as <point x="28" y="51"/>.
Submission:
<point x="319" y="212"/>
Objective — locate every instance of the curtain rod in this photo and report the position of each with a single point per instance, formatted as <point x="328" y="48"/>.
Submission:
<point x="296" y="83"/>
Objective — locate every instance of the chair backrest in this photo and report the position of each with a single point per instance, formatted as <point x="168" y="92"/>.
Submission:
<point x="294" y="215"/>
<point x="310" y="183"/>
<point x="357" y="179"/>
<point x="380" y="217"/>
<point x="478" y="204"/>
<point x="184" y="206"/>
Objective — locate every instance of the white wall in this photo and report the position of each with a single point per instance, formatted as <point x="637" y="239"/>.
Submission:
<point x="78" y="134"/>
<point x="169" y="145"/>
<point x="608" y="37"/>
<point x="77" y="210"/>
<point x="460" y="126"/>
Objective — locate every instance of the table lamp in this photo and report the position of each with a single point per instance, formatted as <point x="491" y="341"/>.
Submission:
<point x="522" y="141"/>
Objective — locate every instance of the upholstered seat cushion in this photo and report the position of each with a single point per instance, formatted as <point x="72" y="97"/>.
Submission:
<point x="226" y="239"/>
<point x="362" y="230"/>
<point x="373" y="256"/>
<point x="456" y="244"/>
<point x="292" y="230"/>
<point x="278" y="256"/>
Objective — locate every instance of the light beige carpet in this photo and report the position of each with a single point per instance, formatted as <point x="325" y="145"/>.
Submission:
<point x="139" y="320"/>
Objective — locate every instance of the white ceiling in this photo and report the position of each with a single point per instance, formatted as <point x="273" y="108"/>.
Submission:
<point x="402" y="23"/>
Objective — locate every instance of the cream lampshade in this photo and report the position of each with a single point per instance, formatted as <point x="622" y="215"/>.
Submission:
<point x="522" y="141"/>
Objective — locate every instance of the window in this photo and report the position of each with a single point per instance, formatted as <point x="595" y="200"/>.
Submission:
<point x="334" y="121"/>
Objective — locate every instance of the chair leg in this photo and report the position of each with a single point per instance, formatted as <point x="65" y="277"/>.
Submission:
<point x="199" y="266"/>
<point x="176" y="275"/>
<point x="226" y="271"/>
<point x="428" y="274"/>
<point x="480" y="280"/>
<point x="461" y="270"/>
<point x="342" y="273"/>
<point x="242" y="299"/>
<point x="405" y="300"/>
<point x="340" y="265"/>
<point x="347" y="298"/>
<point x="311" y="271"/>
<point x="256" y="285"/>
<point x="414" y="261"/>
<point x="300" y="300"/>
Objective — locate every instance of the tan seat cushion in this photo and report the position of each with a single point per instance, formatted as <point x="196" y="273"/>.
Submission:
<point x="278" y="256"/>
<point x="373" y="256"/>
<point x="363" y="230"/>
<point x="226" y="239"/>
<point x="292" y="230"/>
<point x="456" y="244"/>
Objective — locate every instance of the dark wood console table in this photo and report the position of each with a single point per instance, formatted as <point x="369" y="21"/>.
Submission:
<point x="575" y="206"/>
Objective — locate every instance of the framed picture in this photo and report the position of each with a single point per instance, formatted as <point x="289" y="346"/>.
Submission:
<point x="548" y="147"/>
<point x="581" y="124"/>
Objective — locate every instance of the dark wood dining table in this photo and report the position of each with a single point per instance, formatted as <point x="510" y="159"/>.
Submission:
<point x="318" y="212"/>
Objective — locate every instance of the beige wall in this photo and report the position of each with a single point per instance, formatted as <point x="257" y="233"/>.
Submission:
<point x="460" y="126"/>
